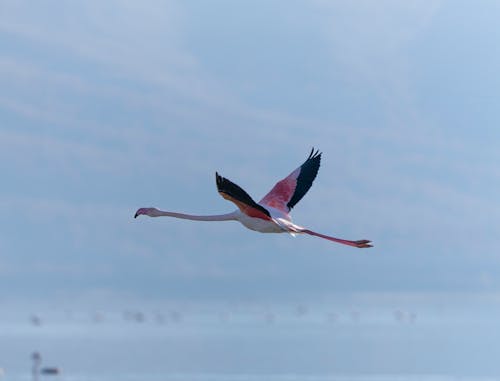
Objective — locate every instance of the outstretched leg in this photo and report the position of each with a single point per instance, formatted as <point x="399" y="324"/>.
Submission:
<point x="363" y="243"/>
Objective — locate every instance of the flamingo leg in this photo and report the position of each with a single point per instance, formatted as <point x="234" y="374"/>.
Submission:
<point x="363" y="243"/>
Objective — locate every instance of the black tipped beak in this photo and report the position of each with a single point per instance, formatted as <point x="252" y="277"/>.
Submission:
<point x="135" y="215"/>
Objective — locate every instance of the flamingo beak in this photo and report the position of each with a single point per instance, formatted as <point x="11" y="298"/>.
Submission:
<point x="136" y="214"/>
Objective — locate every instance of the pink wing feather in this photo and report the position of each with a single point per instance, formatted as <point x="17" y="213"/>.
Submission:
<point x="234" y="193"/>
<point x="289" y="191"/>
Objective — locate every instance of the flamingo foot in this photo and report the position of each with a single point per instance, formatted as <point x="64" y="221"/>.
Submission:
<point x="363" y="243"/>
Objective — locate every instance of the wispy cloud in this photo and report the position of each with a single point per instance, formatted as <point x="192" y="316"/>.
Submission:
<point x="111" y="106"/>
<point x="372" y="42"/>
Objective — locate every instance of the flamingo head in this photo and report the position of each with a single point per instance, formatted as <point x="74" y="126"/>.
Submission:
<point x="151" y="212"/>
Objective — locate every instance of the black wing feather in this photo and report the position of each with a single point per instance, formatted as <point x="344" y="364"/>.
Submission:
<point x="308" y="172"/>
<point x="231" y="189"/>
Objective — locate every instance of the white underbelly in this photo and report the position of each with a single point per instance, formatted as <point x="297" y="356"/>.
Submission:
<point x="260" y="225"/>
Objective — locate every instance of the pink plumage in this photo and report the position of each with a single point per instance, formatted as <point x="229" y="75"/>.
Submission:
<point x="288" y="192"/>
<point x="271" y="214"/>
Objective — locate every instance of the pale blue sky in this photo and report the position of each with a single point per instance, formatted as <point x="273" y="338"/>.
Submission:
<point x="105" y="108"/>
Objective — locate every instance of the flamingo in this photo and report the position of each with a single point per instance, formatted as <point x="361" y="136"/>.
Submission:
<point x="271" y="214"/>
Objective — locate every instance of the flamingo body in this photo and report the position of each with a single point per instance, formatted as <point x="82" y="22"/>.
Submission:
<point x="271" y="214"/>
<point x="259" y="224"/>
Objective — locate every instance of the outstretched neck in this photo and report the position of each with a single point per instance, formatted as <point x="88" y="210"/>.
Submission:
<point x="153" y="212"/>
<point x="215" y="217"/>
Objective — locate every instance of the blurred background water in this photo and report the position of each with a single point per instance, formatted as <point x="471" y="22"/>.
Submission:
<point x="254" y="342"/>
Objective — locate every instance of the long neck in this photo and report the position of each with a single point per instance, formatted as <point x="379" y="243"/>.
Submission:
<point x="216" y="217"/>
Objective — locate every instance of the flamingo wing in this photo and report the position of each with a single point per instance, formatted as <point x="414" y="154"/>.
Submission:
<point x="289" y="191"/>
<point x="232" y="192"/>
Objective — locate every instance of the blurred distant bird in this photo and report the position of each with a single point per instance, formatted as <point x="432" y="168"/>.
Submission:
<point x="37" y="359"/>
<point x="271" y="214"/>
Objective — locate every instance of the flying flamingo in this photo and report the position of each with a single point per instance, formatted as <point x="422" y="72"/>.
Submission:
<point x="271" y="214"/>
